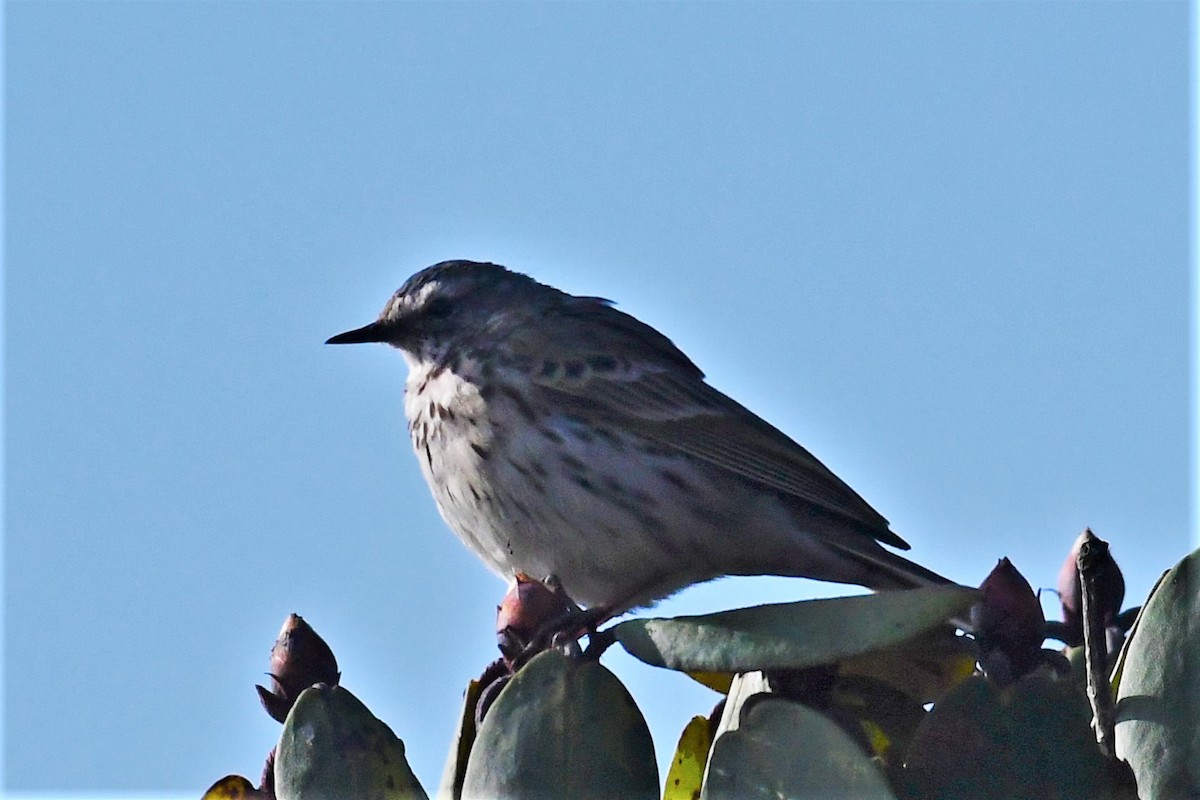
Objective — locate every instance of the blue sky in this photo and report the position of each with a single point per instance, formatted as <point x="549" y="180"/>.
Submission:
<point x="945" y="246"/>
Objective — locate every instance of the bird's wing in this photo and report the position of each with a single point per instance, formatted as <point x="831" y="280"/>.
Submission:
<point x="608" y="366"/>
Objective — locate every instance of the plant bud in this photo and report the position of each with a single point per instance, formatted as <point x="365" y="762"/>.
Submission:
<point x="299" y="659"/>
<point x="266" y="784"/>
<point x="1009" y="622"/>
<point x="1110" y="584"/>
<point x="528" y="607"/>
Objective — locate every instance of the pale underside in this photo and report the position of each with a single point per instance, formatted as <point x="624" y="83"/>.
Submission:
<point x="667" y="483"/>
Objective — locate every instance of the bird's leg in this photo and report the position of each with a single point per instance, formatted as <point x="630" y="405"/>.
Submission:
<point x="529" y="606"/>
<point x="581" y="622"/>
<point x="562" y="630"/>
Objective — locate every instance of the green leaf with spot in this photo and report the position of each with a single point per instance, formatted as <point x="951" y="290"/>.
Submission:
<point x="1158" y="692"/>
<point x="791" y="635"/>
<point x="782" y="749"/>
<point x="332" y="746"/>
<point x="562" y="727"/>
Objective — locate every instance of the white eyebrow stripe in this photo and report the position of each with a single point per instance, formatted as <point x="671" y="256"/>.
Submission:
<point x="422" y="296"/>
<point x="401" y="302"/>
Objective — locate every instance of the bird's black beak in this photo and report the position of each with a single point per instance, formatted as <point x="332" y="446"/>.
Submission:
<point x="375" y="332"/>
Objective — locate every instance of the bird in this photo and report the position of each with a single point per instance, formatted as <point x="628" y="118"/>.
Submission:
<point x="565" y="439"/>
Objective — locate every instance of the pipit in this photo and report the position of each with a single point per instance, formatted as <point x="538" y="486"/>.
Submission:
<point x="562" y="437"/>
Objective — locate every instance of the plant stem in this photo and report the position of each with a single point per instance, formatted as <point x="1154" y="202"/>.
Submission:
<point x="1095" y="645"/>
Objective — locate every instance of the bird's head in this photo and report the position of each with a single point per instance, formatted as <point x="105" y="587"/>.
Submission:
<point x="454" y="305"/>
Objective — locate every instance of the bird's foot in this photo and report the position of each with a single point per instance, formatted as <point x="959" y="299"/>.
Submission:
<point x="531" y="616"/>
<point x="562" y="633"/>
<point x="540" y="615"/>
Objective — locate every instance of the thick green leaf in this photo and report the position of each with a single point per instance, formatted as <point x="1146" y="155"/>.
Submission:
<point x="562" y="727"/>
<point x="460" y="746"/>
<point x="781" y="749"/>
<point x="957" y="752"/>
<point x="791" y="635"/>
<point x="1031" y="740"/>
<point x="333" y="747"/>
<point x="1051" y="741"/>
<point x="1158" y="695"/>
<point x="1120" y="665"/>
<point x="882" y="717"/>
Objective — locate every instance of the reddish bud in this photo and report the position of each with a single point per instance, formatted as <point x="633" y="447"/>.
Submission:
<point x="1110" y="585"/>
<point x="266" y="784"/>
<point x="525" y="611"/>
<point x="1009" y="622"/>
<point x="299" y="659"/>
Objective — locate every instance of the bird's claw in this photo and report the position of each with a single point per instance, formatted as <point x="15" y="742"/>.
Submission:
<point x="563" y="632"/>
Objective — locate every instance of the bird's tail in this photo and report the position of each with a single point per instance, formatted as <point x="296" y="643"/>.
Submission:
<point x="885" y="570"/>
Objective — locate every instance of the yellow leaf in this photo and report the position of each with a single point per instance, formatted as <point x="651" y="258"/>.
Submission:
<point x="878" y="738"/>
<point x="924" y="668"/>
<point x="687" y="767"/>
<point x="231" y="787"/>
<point x="717" y="681"/>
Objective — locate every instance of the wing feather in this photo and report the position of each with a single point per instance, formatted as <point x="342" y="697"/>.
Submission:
<point x="650" y="388"/>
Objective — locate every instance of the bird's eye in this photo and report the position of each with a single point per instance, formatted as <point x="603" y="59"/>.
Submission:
<point x="438" y="308"/>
